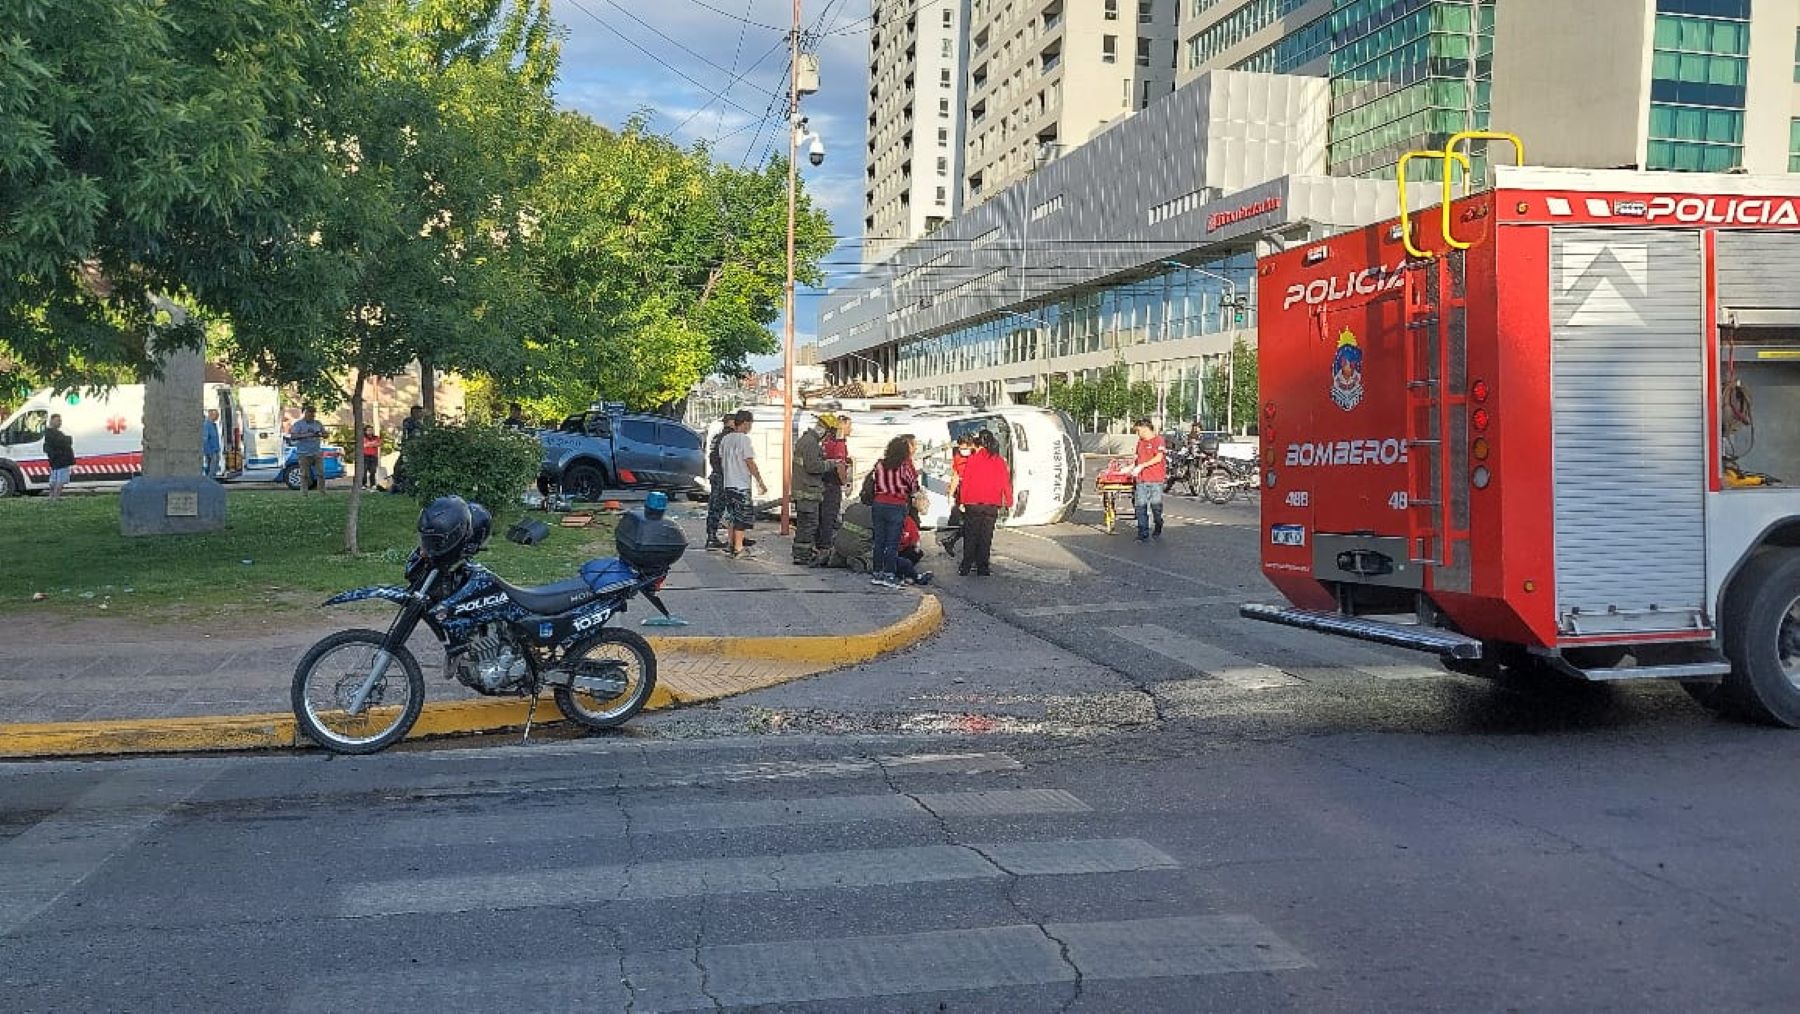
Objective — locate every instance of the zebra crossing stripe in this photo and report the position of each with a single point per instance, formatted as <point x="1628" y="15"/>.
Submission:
<point x="839" y="968"/>
<point x="444" y="830"/>
<point x="1210" y="659"/>
<point x="689" y="878"/>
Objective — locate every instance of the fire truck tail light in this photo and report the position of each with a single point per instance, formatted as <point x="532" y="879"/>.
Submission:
<point x="1480" y="477"/>
<point x="1479" y="392"/>
<point x="1479" y="449"/>
<point x="1480" y="419"/>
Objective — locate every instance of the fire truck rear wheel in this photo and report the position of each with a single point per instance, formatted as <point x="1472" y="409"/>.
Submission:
<point x="1762" y="640"/>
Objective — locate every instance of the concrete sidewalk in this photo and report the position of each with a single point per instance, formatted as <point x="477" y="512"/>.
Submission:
<point x="752" y="623"/>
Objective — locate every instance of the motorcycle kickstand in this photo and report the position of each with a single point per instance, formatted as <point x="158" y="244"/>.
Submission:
<point x="530" y="713"/>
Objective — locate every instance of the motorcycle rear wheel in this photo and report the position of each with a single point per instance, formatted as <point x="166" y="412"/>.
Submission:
<point x="330" y="674"/>
<point x="1219" y="488"/>
<point x="633" y="653"/>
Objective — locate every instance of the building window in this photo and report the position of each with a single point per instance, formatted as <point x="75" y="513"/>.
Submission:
<point x="947" y="48"/>
<point x="943" y="166"/>
<point x="943" y="107"/>
<point x="1112" y="10"/>
<point x="940" y="191"/>
<point x="1144" y="15"/>
<point x="1794" y="145"/>
<point x="1698" y="73"/>
<point x="1797" y="55"/>
<point x="1109" y="48"/>
<point x="944" y="77"/>
<point x="1143" y="52"/>
<point x="943" y="135"/>
<point x="948" y="16"/>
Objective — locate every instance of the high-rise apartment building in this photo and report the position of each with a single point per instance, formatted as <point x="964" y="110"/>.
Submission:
<point x="1270" y="36"/>
<point x="1679" y="84"/>
<point x="1047" y="75"/>
<point x="913" y="165"/>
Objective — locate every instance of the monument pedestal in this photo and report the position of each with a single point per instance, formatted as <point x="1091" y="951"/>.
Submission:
<point x="171" y="505"/>
<point x="172" y="497"/>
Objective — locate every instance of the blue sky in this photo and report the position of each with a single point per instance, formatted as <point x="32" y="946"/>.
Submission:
<point x="610" y="78"/>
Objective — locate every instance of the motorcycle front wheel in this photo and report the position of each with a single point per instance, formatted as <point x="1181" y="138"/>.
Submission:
<point x="620" y="657"/>
<point x="335" y="671"/>
<point x="1218" y="488"/>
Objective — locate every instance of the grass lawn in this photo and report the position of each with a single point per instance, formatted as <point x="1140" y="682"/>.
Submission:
<point x="277" y="547"/>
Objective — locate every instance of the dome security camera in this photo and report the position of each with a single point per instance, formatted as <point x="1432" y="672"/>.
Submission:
<point x="815" y="152"/>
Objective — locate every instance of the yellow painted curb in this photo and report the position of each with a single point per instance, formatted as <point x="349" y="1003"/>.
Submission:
<point x="447" y="718"/>
<point x="832" y="651"/>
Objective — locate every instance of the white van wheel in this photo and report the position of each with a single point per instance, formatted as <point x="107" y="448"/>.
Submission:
<point x="10" y="483"/>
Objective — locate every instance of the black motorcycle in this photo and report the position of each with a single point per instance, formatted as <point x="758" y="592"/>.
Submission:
<point x="359" y="691"/>
<point x="1188" y="466"/>
<point x="1231" y="478"/>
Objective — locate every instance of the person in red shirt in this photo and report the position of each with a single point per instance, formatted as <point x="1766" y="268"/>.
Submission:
<point x="371" y="456"/>
<point x="1151" y="470"/>
<point x="986" y="488"/>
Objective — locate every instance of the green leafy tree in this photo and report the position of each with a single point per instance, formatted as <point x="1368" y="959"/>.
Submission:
<point x="146" y="148"/>
<point x="420" y="252"/>
<point x="1232" y="381"/>
<point x="664" y="266"/>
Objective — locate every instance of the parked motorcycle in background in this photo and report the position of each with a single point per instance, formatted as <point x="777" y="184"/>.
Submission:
<point x="1231" y="478"/>
<point x="359" y="691"/>
<point x="1187" y="467"/>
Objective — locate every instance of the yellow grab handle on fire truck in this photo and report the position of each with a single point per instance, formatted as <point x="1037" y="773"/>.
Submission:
<point x="1451" y="152"/>
<point x="1406" y="222"/>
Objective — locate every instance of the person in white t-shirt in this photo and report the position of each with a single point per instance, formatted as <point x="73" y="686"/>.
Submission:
<point x="737" y="460"/>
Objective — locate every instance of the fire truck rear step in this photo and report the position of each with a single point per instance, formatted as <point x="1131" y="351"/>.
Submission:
<point x="1677" y="671"/>
<point x="1399" y="635"/>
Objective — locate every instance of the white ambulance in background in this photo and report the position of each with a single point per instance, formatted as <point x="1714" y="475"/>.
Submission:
<point x="263" y="429"/>
<point x="107" y="430"/>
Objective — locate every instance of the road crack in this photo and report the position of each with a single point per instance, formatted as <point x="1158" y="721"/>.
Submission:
<point x="1013" y="882"/>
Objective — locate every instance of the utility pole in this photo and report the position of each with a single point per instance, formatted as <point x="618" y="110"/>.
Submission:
<point x="787" y="335"/>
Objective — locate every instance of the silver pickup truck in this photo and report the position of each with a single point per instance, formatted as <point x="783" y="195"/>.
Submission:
<point x="608" y="448"/>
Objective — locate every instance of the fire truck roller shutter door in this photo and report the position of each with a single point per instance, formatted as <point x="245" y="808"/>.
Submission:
<point x="1628" y="429"/>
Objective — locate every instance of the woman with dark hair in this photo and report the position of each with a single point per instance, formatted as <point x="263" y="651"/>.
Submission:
<point x="896" y="480"/>
<point x="986" y="489"/>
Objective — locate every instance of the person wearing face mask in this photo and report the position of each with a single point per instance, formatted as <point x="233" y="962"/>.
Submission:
<point x="954" y="526"/>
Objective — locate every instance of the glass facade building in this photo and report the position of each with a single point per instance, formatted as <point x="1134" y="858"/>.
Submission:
<point x="1179" y="302"/>
<point x="1405" y="75"/>
<point x="1699" y="68"/>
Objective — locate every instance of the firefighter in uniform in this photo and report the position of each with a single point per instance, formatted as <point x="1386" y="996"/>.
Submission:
<point x="809" y="468"/>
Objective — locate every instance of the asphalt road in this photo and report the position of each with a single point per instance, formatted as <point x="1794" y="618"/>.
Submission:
<point x="1097" y="791"/>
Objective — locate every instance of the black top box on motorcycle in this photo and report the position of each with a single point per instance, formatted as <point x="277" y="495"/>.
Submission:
<point x="649" y="543"/>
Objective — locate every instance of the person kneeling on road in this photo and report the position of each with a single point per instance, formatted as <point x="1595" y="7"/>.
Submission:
<point x="852" y="548"/>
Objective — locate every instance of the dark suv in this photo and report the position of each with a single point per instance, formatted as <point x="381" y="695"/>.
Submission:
<point x="603" y="449"/>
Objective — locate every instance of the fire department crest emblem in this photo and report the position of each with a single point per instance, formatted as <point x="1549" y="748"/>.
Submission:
<point x="1347" y="372"/>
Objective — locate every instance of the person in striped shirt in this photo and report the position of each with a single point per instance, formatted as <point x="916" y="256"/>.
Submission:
<point x="896" y="480"/>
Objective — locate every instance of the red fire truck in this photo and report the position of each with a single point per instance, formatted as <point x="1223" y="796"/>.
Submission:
<point x="1548" y="426"/>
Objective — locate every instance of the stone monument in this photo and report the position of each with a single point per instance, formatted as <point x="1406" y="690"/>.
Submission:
<point x="171" y="497"/>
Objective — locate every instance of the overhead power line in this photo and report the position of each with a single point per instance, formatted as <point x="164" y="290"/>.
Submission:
<point x="744" y="19"/>
<point x="671" y="68"/>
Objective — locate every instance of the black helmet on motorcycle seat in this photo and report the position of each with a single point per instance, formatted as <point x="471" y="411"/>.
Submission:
<point x="481" y="526"/>
<point x="445" y="527"/>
